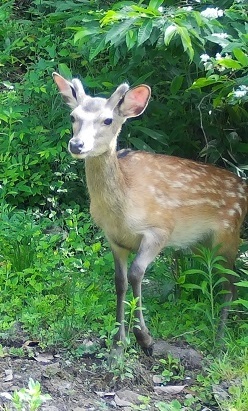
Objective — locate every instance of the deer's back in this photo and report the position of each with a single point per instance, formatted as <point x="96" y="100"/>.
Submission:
<point x="183" y="195"/>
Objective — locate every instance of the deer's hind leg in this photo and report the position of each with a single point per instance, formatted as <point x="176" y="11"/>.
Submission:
<point x="228" y="240"/>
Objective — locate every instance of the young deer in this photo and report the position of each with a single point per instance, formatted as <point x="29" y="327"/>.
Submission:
<point x="145" y="202"/>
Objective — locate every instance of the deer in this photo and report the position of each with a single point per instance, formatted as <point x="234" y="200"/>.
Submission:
<point x="145" y="201"/>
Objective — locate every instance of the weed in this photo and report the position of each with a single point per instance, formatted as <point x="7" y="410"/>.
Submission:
<point x="170" y="369"/>
<point x="212" y="274"/>
<point x="172" y="406"/>
<point x="28" y="399"/>
<point x="122" y="356"/>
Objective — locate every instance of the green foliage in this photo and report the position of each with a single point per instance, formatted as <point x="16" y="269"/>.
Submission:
<point x="170" y="369"/>
<point x="28" y="399"/>
<point x="212" y="274"/>
<point x="178" y="278"/>
<point x="47" y="270"/>
<point x="231" y="366"/>
<point x="174" y="405"/>
<point x="195" y="59"/>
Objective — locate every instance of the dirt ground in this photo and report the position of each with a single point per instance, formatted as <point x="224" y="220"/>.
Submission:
<point x="88" y="384"/>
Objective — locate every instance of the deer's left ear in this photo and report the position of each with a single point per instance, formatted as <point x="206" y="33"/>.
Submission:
<point x="135" y="101"/>
<point x="72" y="92"/>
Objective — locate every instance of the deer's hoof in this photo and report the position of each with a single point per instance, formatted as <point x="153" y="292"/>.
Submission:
<point x="148" y="350"/>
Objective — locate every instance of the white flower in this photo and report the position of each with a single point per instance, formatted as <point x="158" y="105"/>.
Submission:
<point x="204" y="57"/>
<point x="188" y="8"/>
<point x="241" y="92"/>
<point x="208" y="65"/>
<point x="221" y="68"/>
<point x="218" y="56"/>
<point x="211" y="13"/>
<point x="220" y="35"/>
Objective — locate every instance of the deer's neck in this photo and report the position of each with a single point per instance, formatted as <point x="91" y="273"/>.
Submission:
<point x="105" y="180"/>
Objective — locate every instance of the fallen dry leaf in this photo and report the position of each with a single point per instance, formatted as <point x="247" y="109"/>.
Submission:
<point x="30" y="344"/>
<point x="45" y="357"/>
<point x="9" y="375"/>
<point x="122" y="403"/>
<point x="103" y="394"/>
<point x="52" y="369"/>
<point x="169" y="389"/>
<point x="6" y="395"/>
<point x="129" y="396"/>
<point x="157" y="379"/>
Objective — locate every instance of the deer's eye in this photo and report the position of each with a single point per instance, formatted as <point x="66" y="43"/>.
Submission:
<point x="73" y="119"/>
<point x="108" y="121"/>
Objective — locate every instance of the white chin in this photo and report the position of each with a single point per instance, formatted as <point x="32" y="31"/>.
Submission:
<point x="80" y="156"/>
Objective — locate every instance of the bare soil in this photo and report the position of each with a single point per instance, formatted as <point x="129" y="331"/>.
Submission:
<point x="91" y="383"/>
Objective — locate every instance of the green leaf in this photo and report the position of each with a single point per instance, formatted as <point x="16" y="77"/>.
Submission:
<point x="191" y="286"/>
<point x="118" y="30"/>
<point x="225" y="270"/>
<point x="229" y="63"/>
<point x="94" y="51"/>
<point x="204" y="82"/>
<point x="242" y="147"/>
<point x="64" y="70"/>
<point x="176" y="84"/>
<point x="186" y="41"/>
<point x="85" y="33"/>
<point x="231" y="46"/>
<point x="241" y="57"/>
<point x="139" y="144"/>
<point x="155" y="4"/>
<point x="144" y="32"/>
<point x="219" y="40"/>
<point x="141" y="79"/>
<point x="153" y="134"/>
<point x="242" y="302"/>
<point x="242" y="284"/>
<point x="169" y="33"/>
<point x="131" y="39"/>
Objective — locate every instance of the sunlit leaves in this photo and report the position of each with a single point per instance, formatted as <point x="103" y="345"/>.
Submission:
<point x="169" y="33"/>
<point x="174" y="29"/>
<point x="144" y="32"/>
<point x="204" y="82"/>
<point x="241" y="57"/>
<point x="131" y="38"/>
<point x="186" y="41"/>
<point x="155" y="4"/>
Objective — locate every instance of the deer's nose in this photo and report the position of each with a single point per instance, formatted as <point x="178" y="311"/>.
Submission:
<point x="75" y="147"/>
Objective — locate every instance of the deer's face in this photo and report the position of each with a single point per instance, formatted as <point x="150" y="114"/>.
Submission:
<point x="95" y="127"/>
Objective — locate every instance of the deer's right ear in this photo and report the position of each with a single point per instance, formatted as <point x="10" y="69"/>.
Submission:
<point x="135" y="101"/>
<point x="72" y="92"/>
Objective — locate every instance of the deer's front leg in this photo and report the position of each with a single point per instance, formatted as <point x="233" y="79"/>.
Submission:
<point x="121" y="284"/>
<point x="152" y="243"/>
